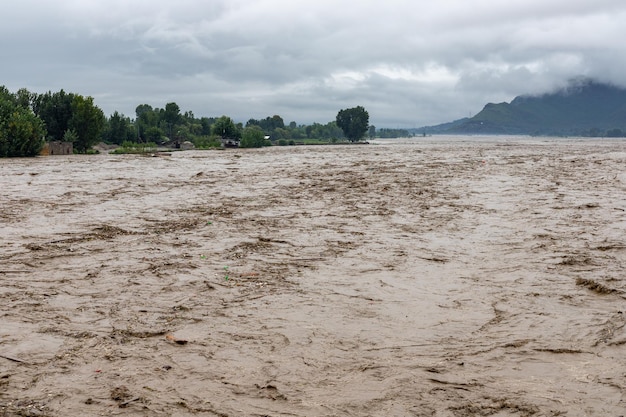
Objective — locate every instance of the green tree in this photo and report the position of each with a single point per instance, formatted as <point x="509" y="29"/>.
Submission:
<point x="172" y="114"/>
<point x="280" y="133"/>
<point x="153" y="134"/>
<point x="253" y="122"/>
<point x="55" y="109"/>
<point x="146" y="117"/>
<point x="70" y="136"/>
<point x="393" y="133"/>
<point x="226" y="128"/>
<point x="24" y="133"/>
<point x="87" y="121"/>
<point x="172" y="118"/>
<point x="142" y="110"/>
<point x="25" y="98"/>
<point x="272" y="126"/>
<point x="253" y="137"/>
<point x="276" y="122"/>
<point x="354" y="122"/>
<point x="206" y="123"/>
<point x="119" y="129"/>
<point x="21" y="131"/>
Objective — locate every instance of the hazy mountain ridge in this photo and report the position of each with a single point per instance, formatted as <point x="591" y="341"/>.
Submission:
<point x="585" y="107"/>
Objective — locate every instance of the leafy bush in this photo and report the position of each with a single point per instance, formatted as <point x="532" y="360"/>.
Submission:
<point x="21" y="133"/>
<point x="70" y="135"/>
<point x="206" y="142"/>
<point x="253" y="137"/>
<point x="132" y="147"/>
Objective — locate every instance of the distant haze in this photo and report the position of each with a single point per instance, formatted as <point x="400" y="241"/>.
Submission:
<point x="409" y="63"/>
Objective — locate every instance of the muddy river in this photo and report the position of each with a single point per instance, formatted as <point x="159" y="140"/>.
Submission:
<point x="439" y="276"/>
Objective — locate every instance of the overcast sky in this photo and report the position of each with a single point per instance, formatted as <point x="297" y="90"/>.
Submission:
<point x="408" y="62"/>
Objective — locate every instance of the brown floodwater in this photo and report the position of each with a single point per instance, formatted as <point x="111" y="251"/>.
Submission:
<point x="441" y="276"/>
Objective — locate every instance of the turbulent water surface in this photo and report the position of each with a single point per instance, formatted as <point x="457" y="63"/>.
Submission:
<point x="432" y="277"/>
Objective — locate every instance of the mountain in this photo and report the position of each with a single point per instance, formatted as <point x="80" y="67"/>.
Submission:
<point x="438" y="129"/>
<point x="585" y="107"/>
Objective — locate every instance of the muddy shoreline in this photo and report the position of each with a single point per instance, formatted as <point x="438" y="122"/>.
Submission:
<point x="455" y="277"/>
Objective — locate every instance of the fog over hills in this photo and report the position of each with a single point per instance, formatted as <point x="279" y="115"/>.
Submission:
<point x="584" y="107"/>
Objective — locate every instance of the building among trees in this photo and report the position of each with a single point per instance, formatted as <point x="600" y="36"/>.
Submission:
<point x="57" y="148"/>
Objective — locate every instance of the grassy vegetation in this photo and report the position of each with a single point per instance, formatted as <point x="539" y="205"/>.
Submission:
<point x="207" y="142"/>
<point x="291" y="142"/>
<point x="313" y="141"/>
<point x="135" y="148"/>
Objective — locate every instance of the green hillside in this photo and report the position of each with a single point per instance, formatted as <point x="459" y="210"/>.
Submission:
<point x="585" y="108"/>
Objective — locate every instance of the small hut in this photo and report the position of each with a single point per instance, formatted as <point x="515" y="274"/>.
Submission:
<point x="57" y="148"/>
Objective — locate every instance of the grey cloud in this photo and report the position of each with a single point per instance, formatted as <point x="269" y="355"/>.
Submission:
<point x="409" y="63"/>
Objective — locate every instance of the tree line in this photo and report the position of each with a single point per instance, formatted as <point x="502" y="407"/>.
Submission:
<point x="28" y="120"/>
<point x="164" y="125"/>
